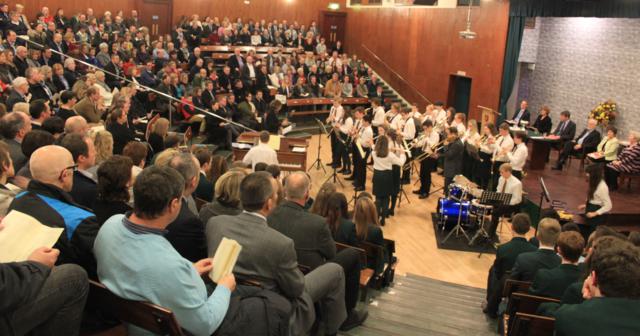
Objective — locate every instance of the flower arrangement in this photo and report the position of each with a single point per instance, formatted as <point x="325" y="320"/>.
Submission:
<point x="605" y="112"/>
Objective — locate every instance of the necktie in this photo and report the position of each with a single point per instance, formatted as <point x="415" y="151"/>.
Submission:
<point x="504" y="186"/>
<point x="514" y="149"/>
<point x="564" y="123"/>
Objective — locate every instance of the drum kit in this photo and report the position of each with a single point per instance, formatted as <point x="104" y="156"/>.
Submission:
<point x="461" y="210"/>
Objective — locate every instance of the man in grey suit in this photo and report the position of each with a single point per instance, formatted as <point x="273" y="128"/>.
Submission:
<point x="270" y="258"/>
<point x="13" y="127"/>
<point x="314" y="243"/>
<point x="452" y="155"/>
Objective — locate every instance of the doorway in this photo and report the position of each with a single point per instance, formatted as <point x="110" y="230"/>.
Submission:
<point x="156" y="15"/>
<point x="334" y="25"/>
<point x="459" y="93"/>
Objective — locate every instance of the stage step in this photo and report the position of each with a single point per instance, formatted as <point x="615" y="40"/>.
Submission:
<point x="416" y="305"/>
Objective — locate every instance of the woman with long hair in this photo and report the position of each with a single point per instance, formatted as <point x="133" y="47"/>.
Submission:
<point x="396" y="146"/>
<point x="486" y="146"/>
<point x="470" y="138"/>
<point x="598" y="200"/>
<point x="365" y="217"/>
<point x="320" y="203"/>
<point x="226" y="198"/>
<point x="337" y="215"/>
<point x="114" y="181"/>
<point x="383" y="161"/>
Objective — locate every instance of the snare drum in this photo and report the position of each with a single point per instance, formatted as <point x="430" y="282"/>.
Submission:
<point x="480" y="210"/>
<point x="456" y="191"/>
<point x="448" y="211"/>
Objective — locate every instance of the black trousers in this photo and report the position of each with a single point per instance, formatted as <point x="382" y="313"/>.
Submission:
<point x="565" y="151"/>
<point x="483" y="173"/>
<point x="349" y="259"/>
<point x="447" y="182"/>
<point x="343" y="151"/>
<point x="335" y="150"/>
<point x="382" y="204"/>
<point x="611" y="177"/>
<point x="426" y="168"/>
<point x="360" y="166"/>
<point x="495" y="286"/>
<point x="499" y="211"/>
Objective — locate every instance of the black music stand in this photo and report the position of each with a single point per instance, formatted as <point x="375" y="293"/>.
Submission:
<point x="494" y="199"/>
<point x="318" y="162"/>
<point x="544" y="194"/>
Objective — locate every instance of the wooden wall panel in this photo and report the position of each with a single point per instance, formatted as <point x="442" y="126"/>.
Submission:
<point x="304" y="11"/>
<point x="423" y="47"/>
<point x="72" y="7"/>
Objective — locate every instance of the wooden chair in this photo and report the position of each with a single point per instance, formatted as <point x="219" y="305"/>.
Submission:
<point x="375" y="257"/>
<point x="512" y="286"/>
<point x="148" y="316"/>
<point x="532" y="325"/>
<point x="523" y="303"/>
<point x="366" y="274"/>
<point x="628" y="178"/>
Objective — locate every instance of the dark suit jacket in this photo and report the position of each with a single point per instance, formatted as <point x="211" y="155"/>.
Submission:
<point x="105" y="209"/>
<point x="507" y="253"/>
<point x="453" y="159"/>
<point x="205" y="189"/>
<point x="110" y="79"/>
<point x="310" y="233"/>
<point x="84" y="190"/>
<point x="346" y="233"/>
<point x="590" y="143"/>
<point x="15" y="151"/>
<point x="186" y="234"/>
<point x="568" y="133"/>
<point x="14" y="98"/>
<point x="121" y="136"/>
<point x="553" y="282"/>
<point x="208" y="98"/>
<point x="21" y="65"/>
<point x="526" y="116"/>
<point x="599" y="316"/>
<point x="233" y="63"/>
<point x="527" y="264"/>
<point x="543" y="125"/>
<point x="38" y="92"/>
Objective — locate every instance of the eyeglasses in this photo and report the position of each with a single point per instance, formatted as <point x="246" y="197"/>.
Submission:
<point x="73" y="169"/>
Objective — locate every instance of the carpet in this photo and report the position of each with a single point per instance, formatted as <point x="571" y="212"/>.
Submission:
<point x="459" y="243"/>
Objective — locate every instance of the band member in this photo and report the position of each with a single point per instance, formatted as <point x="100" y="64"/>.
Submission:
<point x="408" y="133"/>
<point x="364" y="138"/>
<point x="504" y="145"/>
<point x="383" y="160"/>
<point x="427" y="142"/>
<point x="344" y="131"/>
<point x="453" y="152"/>
<point x="439" y="117"/>
<point x="518" y="155"/>
<point x="377" y="111"/>
<point x="508" y="184"/>
<point x="396" y="146"/>
<point x="393" y="117"/>
<point x="470" y="140"/>
<point x="487" y="145"/>
<point x="598" y="199"/>
<point x="458" y="122"/>
<point x="335" y="119"/>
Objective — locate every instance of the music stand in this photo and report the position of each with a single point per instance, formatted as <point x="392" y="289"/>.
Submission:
<point x="318" y="162"/>
<point x="494" y="199"/>
<point x="544" y="194"/>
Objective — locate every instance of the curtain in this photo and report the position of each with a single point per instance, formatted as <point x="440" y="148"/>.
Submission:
<point x="511" y="54"/>
<point x="575" y="8"/>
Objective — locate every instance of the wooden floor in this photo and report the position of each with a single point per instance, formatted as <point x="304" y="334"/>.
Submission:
<point x="412" y="229"/>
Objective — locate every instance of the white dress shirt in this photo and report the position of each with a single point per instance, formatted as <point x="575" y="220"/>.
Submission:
<point x="395" y="121"/>
<point x="428" y="140"/>
<point x="409" y="129"/>
<point x="260" y="153"/>
<point x="601" y="198"/>
<point x="366" y="137"/>
<point x="347" y="126"/>
<point x="488" y="148"/>
<point x="386" y="163"/>
<point x="378" y="116"/>
<point x="335" y="116"/>
<point x="513" y="187"/>
<point x="518" y="156"/>
<point x="503" y="143"/>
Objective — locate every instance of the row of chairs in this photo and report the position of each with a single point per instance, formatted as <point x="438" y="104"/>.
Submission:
<point x="520" y="317"/>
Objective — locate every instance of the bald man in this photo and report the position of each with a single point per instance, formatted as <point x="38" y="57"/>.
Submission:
<point x="47" y="199"/>
<point x="585" y="143"/>
<point x="76" y="125"/>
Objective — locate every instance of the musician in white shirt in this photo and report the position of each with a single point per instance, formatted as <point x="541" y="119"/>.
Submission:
<point x="261" y="153"/>
<point x="507" y="184"/>
<point x="518" y="155"/>
<point x="344" y="131"/>
<point x="439" y="117"/>
<point x="364" y="139"/>
<point x="504" y="144"/>
<point x="377" y="111"/>
<point x="427" y="142"/>
<point x="393" y="117"/>
<point x="458" y="122"/>
<point x="598" y="199"/>
<point x="487" y="147"/>
<point x="383" y="161"/>
<point x="335" y="119"/>
<point x="408" y="133"/>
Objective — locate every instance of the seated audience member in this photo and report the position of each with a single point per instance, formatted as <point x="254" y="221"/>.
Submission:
<point x="84" y="188"/>
<point x="554" y="281"/>
<point x="77" y="125"/>
<point x="543" y="122"/>
<point x="136" y="262"/>
<point x="137" y="152"/>
<point x="6" y="172"/>
<point x="319" y="205"/>
<point x="261" y="153"/>
<point x="270" y="256"/>
<point x="32" y="141"/>
<point x="186" y="232"/>
<point x="607" y="149"/>
<point x="39" y="111"/>
<point x="13" y="127"/>
<point x="565" y="131"/>
<point x="218" y="168"/>
<point x="628" y="162"/>
<point x="313" y="241"/>
<point x="611" y="292"/>
<point x="67" y="102"/>
<point x="54" y="125"/>
<point x="114" y="181"/>
<point x="337" y="217"/>
<point x="505" y="259"/>
<point x="117" y="124"/>
<point x="204" y="190"/>
<point x="88" y="107"/>
<point x="226" y="200"/>
<point x="158" y="134"/>
<point x="274" y="170"/>
<point x="47" y="199"/>
<point x="587" y="142"/>
<point x="527" y="264"/>
<point x="103" y="142"/>
<point x="39" y="298"/>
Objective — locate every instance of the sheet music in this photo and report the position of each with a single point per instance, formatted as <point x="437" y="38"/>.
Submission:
<point x="274" y="142"/>
<point x="225" y="259"/>
<point x="287" y="129"/>
<point x="22" y="234"/>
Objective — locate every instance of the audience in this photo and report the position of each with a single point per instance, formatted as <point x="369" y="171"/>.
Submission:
<point x="527" y="264"/>
<point x="226" y="200"/>
<point x="6" y="172"/>
<point x="204" y="191"/>
<point x="114" y="180"/>
<point x="84" y="188"/>
<point x="14" y="126"/>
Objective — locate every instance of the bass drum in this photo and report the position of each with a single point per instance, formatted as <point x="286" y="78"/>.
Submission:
<point x="448" y="211"/>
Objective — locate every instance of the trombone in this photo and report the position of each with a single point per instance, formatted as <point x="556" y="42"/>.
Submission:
<point x="424" y="155"/>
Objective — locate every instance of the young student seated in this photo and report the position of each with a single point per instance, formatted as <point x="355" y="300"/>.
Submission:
<point x="553" y="282"/>
<point x="528" y="264"/>
<point x="505" y="259"/>
<point x="611" y="292"/>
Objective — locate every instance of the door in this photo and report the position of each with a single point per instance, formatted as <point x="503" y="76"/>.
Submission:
<point x="459" y="93"/>
<point x="334" y="25"/>
<point x="156" y="15"/>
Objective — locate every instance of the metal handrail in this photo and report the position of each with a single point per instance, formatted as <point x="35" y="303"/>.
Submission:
<point x="396" y="74"/>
